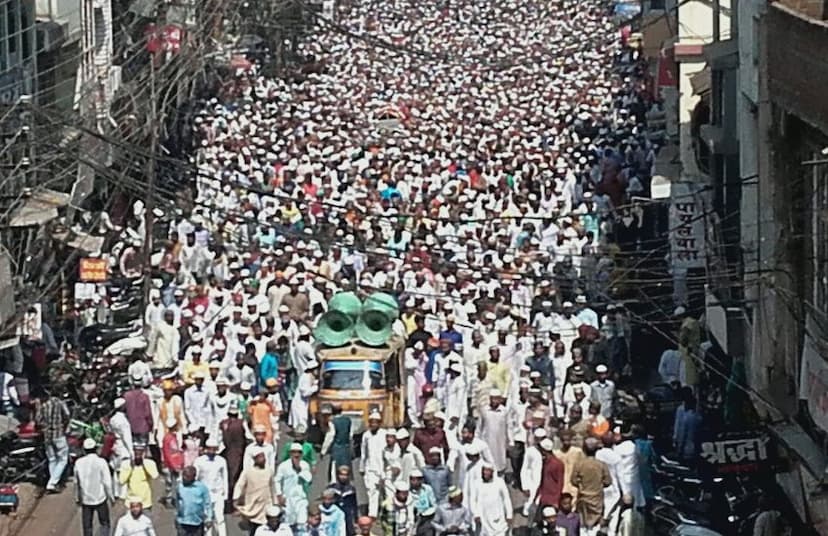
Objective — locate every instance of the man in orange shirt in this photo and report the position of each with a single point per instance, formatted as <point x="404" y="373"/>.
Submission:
<point x="261" y="411"/>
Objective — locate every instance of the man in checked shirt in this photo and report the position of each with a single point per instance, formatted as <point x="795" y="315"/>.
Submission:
<point x="53" y="420"/>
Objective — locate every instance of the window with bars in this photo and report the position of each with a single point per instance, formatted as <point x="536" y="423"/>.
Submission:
<point x="100" y="29"/>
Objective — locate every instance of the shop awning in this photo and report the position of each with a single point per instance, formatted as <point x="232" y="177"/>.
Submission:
<point x="701" y="81"/>
<point x="798" y="441"/>
<point x="38" y="208"/>
<point x="86" y="242"/>
<point x="81" y="241"/>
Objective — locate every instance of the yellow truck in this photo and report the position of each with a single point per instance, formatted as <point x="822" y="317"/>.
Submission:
<point x="361" y="361"/>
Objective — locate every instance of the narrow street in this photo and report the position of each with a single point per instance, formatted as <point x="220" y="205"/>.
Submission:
<point x="571" y="254"/>
<point x="58" y="515"/>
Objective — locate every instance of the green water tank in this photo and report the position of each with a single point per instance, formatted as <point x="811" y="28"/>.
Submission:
<point x="336" y="326"/>
<point x="378" y="314"/>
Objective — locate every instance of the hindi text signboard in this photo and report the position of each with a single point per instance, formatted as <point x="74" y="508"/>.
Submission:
<point x="687" y="226"/>
<point x="93" y="270"/>
<point x="739" y="452"/>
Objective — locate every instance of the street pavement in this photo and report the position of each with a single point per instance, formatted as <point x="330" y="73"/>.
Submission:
<point x="59" y="515"/>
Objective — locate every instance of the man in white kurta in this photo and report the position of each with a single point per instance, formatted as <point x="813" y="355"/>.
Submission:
<point x="212" y="471"/>
<point x="472" y="474"/>
<point x="291" y="477"/>
<point x="163" y="343"/>
<point x="122" y="448"/>
<point x="259" y="445"/>
<point x="456" y="394"/>
<point x="411" y="457"/>
<point x="299" y="407"/>
<point x="612" y="493"/>
<point x="490" y="505"/>
<point x="457" y="458"/>
<point x="628" y="479"/>
<point x="371" y="463"/>
<point x="531" y="470"/>
<point x="493" y="425"/>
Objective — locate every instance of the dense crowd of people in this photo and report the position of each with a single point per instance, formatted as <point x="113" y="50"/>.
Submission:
<point x="496" y="208"/>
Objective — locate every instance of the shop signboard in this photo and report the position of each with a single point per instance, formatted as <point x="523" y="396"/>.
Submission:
<point x="93" y="270"/>
<point x="739" y="452"/>
<point x="687" y="226"/>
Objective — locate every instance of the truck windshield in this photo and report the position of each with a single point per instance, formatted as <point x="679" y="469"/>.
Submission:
<point x="352" y="375"/>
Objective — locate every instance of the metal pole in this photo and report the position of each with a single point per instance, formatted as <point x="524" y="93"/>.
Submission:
<point x="150" y="201"/>
<point x="717" y="15"/>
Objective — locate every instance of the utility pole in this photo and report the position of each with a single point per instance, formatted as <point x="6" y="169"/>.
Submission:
<point x="149" y="204"/>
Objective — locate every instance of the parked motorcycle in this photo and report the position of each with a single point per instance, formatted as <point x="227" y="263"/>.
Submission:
<point x="97" y="337"/>
<point x="723" y="505"/>
<point x="23" y="458"/>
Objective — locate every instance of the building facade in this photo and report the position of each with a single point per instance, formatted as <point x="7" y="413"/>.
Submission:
<point x="753" y="129"/>
<point x="18" y="65"/>
<point x="789" y="362"/>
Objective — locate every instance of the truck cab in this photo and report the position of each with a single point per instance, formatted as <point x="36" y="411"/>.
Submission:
<point x="361" y="379"/>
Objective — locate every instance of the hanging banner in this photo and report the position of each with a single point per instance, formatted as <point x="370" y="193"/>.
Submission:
<point x="667" y="68"/>
<point x="687" y="225"/>
<point x="813" y="376"/>
<point x="93" y="270"/>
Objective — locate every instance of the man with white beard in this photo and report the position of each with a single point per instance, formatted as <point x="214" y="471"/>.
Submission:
<point x="490" y="504"/>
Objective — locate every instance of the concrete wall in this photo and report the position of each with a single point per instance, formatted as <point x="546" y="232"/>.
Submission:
<point x="696" y="22"/>
<point x="64" y="11"/>
<point x="695" y="27"/>
<point x="687" y="103"/>
<point x="747" y="128"/>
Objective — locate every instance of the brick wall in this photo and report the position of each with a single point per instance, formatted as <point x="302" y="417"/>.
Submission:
<point x="797" y="66"/>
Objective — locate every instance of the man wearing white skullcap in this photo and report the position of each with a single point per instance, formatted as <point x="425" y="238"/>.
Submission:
<point x="293" y="477"/>
<point x="371" y="461"/>
<point x="134" y="521"/>
<point x="300" y="405"/>
<point x="212" y="471"/>
<point x="493" y="428"/>
<point x="254" y="491"/>
<point x="398" y="515"/>
<point x="93" y="483"/>
<point x="591" y="476"/>
<point x="490" y="503"/>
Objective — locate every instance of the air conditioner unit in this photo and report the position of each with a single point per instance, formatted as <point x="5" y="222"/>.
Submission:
<point x="51" y="35"/>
